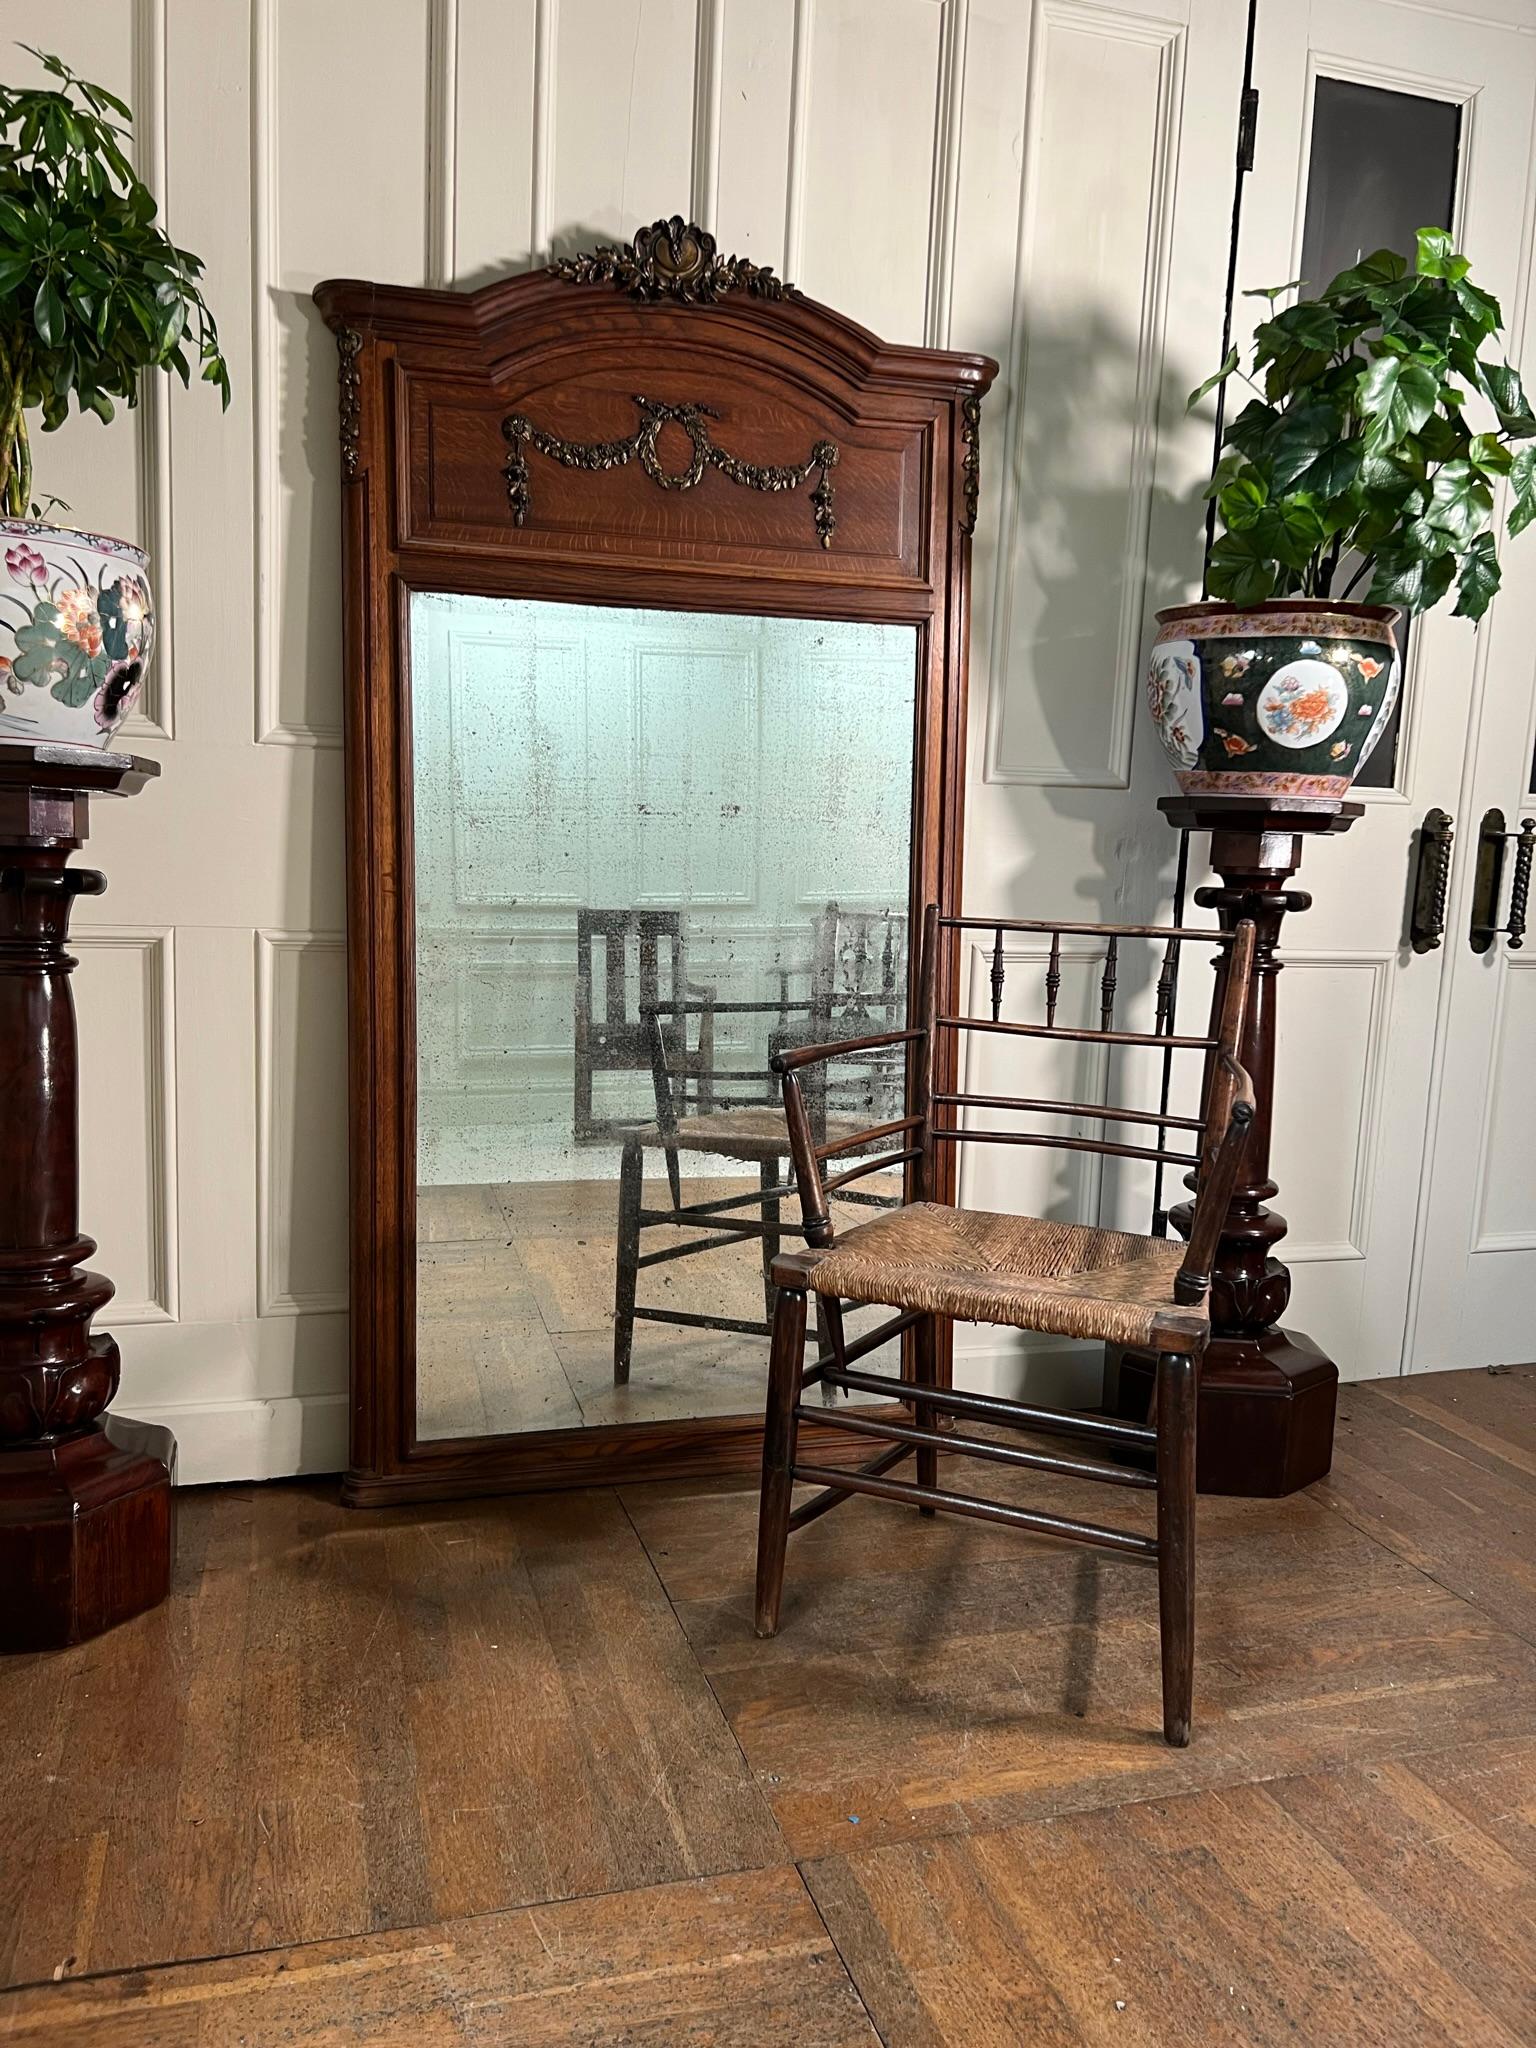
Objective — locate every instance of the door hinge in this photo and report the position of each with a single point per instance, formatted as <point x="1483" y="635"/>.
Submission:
<point x="1247" y="127"/>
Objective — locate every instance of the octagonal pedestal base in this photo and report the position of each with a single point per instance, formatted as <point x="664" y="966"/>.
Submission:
<point x="87" y="1532"/>
<point x="1266" y="1411"/>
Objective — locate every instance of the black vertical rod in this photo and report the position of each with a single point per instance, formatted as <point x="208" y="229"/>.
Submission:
<point x="1245" y="131"/>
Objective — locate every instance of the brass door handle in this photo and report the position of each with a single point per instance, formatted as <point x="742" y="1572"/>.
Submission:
<point x="1432" y="881"/>
<point x="1487" y="885"/>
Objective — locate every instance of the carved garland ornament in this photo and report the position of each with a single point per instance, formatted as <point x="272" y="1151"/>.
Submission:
<point x="672" y="259"/>
<point x="641" y="446"/>
<point x="350" y="344"/>
<point x="970" y="468"/>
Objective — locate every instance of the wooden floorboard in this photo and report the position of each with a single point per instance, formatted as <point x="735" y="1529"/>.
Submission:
<point x="730" y="1962"/>
<point x="934" y="1677"/>
<point x="344" y="1722"/>
<point x="1441" y="1468"/>
<point x="1381" y="1906"/>
<point x="518" y="1771"/>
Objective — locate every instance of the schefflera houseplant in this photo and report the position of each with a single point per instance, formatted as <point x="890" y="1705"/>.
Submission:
<point x="1357" y="484"/>
<point x="93" y="295"/>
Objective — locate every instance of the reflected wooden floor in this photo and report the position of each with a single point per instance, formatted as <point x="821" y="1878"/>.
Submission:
<point x="517" y="1772"/>
<point x="515" y="1289"/>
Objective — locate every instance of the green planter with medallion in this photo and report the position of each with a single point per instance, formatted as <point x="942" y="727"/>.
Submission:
<point x="1284" y="698"/>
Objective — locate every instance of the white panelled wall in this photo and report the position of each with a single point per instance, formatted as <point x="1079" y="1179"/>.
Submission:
<point x="1045" y="180"/>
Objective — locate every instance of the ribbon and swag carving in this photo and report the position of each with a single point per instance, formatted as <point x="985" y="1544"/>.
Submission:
<point x="521" y="433"/>
<point x="672" y="259"/>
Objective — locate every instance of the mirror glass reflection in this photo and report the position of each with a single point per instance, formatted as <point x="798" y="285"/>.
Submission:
<point x="652" y="848"/>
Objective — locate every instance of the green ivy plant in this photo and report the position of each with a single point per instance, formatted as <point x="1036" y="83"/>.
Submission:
<point x="1355" y="458"/>
<point x="92" y="291"/>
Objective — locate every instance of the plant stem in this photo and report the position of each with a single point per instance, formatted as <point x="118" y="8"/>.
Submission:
<point x="1368" y="563"/>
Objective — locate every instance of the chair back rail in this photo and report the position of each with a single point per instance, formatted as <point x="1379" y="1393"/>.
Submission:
<point x="1216" y="1134"/>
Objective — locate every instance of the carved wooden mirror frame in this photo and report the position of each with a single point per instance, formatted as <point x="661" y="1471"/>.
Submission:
<point x="781" y="461"/>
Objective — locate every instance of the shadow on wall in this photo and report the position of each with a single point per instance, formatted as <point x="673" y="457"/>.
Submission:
<point x="1101" y="530"/>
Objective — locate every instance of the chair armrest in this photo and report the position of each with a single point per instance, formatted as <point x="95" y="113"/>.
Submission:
<point x="812" y="1055"/>
<point x="803" y="1149"/>
<point x="1217" y="1180"/>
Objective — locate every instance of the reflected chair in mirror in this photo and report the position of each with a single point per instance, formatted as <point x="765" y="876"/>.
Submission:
<point x="640" y="957"/>
<point x="857" y="977"/>
<point x="931" y="1262"/>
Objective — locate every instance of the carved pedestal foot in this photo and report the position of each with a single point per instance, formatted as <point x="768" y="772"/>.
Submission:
<point x="87" y="1532"/>
<point x="1266" y="1411"/>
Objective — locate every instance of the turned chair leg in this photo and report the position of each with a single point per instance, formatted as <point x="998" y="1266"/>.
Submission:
<point x="926" y="1374"/>
<point x="1177" y="1385"/>
<point x="768" y="1177"/>
<point x="627" y="1260"/>
<point x="786" y="1367"/>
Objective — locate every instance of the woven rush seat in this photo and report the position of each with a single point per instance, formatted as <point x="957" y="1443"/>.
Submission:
<point x="1066" y="1279"/>
<point x="739" y="1133"/>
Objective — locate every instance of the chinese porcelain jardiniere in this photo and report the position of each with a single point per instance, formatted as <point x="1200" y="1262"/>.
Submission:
<point x="1284" y="698"/>
<point x="77" y="628"/>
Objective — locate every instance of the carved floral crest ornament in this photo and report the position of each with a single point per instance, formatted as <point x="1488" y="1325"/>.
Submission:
<point x="672" y="259"/>
<point x="641" y="446"/>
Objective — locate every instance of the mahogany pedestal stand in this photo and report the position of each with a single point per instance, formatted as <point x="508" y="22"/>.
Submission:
<point x="86" y="1527"/>
<point x="1266" y="1395"/>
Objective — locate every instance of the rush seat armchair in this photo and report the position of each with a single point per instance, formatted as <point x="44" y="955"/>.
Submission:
<point x="931" y="1261"/>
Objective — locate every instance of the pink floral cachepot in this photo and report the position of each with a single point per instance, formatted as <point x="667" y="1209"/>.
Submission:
<point x="77" y="629"/>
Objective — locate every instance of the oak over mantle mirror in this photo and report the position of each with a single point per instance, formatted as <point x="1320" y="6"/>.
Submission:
<point x="655" y="723"/>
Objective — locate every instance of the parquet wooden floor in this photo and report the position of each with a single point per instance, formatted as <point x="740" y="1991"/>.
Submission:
<point x="517" y="1772"/>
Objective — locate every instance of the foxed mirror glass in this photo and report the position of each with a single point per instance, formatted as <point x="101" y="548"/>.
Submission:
<point x="651" y="848"/>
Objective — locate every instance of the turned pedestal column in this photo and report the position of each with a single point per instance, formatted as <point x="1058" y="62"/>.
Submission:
<point x="86" y="1529"/>
<point x="1266" y="1394"/>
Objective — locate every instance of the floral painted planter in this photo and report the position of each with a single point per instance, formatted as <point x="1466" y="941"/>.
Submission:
<point x="77" y="628"/>
<point x="1284" y="698"/>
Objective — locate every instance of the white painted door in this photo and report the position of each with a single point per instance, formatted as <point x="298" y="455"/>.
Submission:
<point x="1359" y="1012"/>
<point x="1475" y="1302"/>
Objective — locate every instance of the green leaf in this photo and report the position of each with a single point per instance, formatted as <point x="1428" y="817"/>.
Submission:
<point x="1398" y="579"/>
<point x="1389" y="469"/>
<point x="1397" y="396"/>
<point x="1304" y="432"/>
<point x="1241" y="572"/>
<point x="1460" y="502"/>
<point x="1310" y="323"/>
<point x="1333" y="471"/>
<point x="1439" y="574"/>
<point x="1522" y="483"/>
<point x="1437" y="255"/>
<point x="1444" y="437"/>
<point x="1479" y="309"/>
<point x="1491" y="455"/>
<point x="1509" y="401"/>
<point x="1292" y="530"/>
<point x="1216" y="377"/>
<point x="1273" y="291"/>
<point x="1479" y="580"/>
<point x="1242" y="501"/>
<point x="1231" y="465"/>
<point x="48" y="314"/>
<point x="1253" y="428"/>
<point x="1383" y="266"/>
